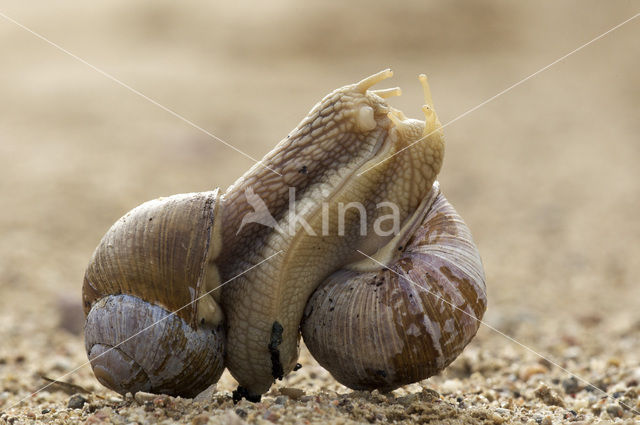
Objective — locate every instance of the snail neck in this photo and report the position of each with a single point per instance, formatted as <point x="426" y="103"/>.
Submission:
<point x="388" y="253"/>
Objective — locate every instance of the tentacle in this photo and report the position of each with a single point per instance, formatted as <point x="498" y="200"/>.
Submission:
<point x="374" y="79"/>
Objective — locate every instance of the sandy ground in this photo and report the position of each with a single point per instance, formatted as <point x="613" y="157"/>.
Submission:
<point x="546" y="176"/>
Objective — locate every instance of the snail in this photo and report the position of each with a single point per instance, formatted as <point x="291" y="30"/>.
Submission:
<point x="407" y="280"/>
<point x="154" y="261"/>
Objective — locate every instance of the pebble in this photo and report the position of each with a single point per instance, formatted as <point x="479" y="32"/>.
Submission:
<point x="76" y="402"/>
<point x="271" y="416"/>
<point x="407" y="399"/>
<point x="282" y="399"/>
<point x="572" y="352"/>
<point x="141" y="397"/>
<point x="570" y="385"/>
<point x="549" y="398"/>
<point x="615" y="411"/>
<point x="293" y="393"/>
<point x="614" y="362"/>
<point x="200" y="419"/>
<point x="233" y="418"/>
<point x="450" y="386"/>
<point x="531" y="370"/>
<point x="580" y="404"/>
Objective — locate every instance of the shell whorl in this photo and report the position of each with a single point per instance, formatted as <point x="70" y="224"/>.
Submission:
<point x="410" y="319"/>
<point x="138" y="346"/>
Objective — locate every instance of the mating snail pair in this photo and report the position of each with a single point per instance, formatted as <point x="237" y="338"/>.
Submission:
<point x="380" y="303"/>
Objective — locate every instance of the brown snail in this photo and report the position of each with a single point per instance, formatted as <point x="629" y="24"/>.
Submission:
<point x="347" y="159"/>
<point x="154" y="261"/>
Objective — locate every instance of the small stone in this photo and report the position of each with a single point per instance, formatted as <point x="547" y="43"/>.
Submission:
<point x="450" y="386"/>
<point x="200" y="419"/>
<point x="76" y="402"/>
<point x="141" y="397"/>
<point x="161" y="401"/>
<point x="501" y="411"/>
<point x="282" y="399"/>
<point x="546" y="421"/>
<point x="572" y="352"/>
<point x="570" y="385"/>
<point x="531" y="370"/>
<point x="550" y="398"/>
<point x="206" y="395"/>
<point x="232" y="418"/>
<point x="45" y="411"/>
<point x="615" y="411"/>
<point x="580" y="404"/>
<point x="614" y="362"/>
<point x="271" y="416"/>
<point x="292" y="393"/>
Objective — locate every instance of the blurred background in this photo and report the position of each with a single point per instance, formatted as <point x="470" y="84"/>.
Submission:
<point x="546" y="176"/>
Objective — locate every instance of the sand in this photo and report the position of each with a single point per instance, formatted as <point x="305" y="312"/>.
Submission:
<point x="546" y="176"/>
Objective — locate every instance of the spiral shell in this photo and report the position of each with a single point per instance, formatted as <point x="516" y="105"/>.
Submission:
<point x="151" y="325"/>
<point x="403" y="323"/>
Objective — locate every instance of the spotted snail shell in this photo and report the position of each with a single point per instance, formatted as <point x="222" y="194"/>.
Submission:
<point x="378" y="310"/>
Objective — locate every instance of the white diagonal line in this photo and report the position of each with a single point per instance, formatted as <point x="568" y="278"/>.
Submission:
<point x="131" y="89"/>
<point x="143" y="330"/>
<point x="510" y="338"/>
<point x="492" y="98"/>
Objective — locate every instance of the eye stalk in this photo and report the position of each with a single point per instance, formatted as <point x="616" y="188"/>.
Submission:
<point x="412" y="131"/>
<point x="372" y="80"/>
<point x="432" y="124"/>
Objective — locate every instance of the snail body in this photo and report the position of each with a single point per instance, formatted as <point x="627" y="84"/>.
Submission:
<point x="345" y="134"/>
<point x="290" y="265"/>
